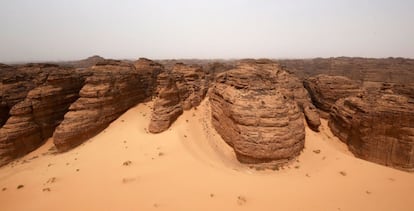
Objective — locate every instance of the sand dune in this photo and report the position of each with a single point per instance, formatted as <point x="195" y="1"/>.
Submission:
<point x="189" y="167"/>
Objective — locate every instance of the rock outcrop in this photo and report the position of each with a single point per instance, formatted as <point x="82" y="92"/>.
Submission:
<point x="113" y="88"/>
<point x="150" y="71"/>
<point x="182" y="88"/>
<point x="34" y="119"/>
<point x="377" y="128"/>
<point x="325" y="90"/>
<point x="167" y="107"/>
<point x="255" y="115"/>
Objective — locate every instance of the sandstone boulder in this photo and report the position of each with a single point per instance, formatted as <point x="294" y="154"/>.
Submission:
<point x="255" y="116"/>
<point x="377" y="128"/>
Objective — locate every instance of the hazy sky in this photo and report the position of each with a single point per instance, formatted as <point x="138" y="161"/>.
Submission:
<point x="36" y="30"/>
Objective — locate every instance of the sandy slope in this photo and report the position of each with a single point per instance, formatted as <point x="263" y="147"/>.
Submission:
<point x="189" y="167"/>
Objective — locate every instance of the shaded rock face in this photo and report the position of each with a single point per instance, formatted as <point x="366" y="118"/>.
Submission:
<point x="377" y="128"/>
<point x="191" y="83"/>
<point x="167" y="107"/>
<point x="16" y="82"/>
<point x="150" y="71"/>
<point x="113" y="88"/>
<point x="34" y="119"/>
<point x="182" y="88"/>
<point x="325" y="90"/>
<point x="255" y="116"/>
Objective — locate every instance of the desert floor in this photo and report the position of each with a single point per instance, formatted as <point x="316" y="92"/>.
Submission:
<point x="189" y="167"/>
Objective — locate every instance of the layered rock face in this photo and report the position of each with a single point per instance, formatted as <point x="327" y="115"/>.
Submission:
<point x="255" y="116"/>
<point x="390" y="70"/>
<point x="113" y="88"/>
<point x="167" y="107"/>
<point x="16" y="82"/>
<point x="150" y="71"/>
<point x="325" y="90"/>
<point x="34" y="119"/>
<point x="182" y="88"/>
<point x="377" y="128"/>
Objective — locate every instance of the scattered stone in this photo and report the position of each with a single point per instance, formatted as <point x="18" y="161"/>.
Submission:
<point x="297" y="167"/>
<point x="342" y="173"/>
<point x="3" y="189"/>
<point x="317" y="151"/>
<point x="20" y="186"/>
<point x="307" y="175"/>
<point x="211" y="195"/>
<point x="127" y="163"/>
<point x="46" y="190"/>
<point x="160" y="154"/>
<point x="77" y="169"/>
<point x="368" y="192"/>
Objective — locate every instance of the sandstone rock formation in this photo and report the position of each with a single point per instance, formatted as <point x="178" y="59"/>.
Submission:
<point x="390" y="70"/>
<point x="182" y="88"/>
<point x="378" y="128"/>
<point x="312" y="117"/>
<point x="325" y="90"/>
<point x="34" y="119"/>
<point x="167" y="107"/>
<point x="113" y="88"/>
<point x="150" y="71"/>
<point x="255" y="115"/>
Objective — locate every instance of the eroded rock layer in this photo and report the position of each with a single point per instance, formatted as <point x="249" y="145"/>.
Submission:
<point x="113" y="88"/>
<point x="325" y="90"/>
<point x="167" y="107"/>
<point x="378" y="128"/>
<point x="182" y="88"/>
<point x="34" y="119"/>
<point x="255" y="115"/>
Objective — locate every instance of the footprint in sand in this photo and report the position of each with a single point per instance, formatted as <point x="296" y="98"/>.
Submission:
<point x="241" y="200"/>
<point x="128" y="180"/>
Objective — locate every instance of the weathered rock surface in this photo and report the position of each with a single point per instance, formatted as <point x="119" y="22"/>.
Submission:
<point x="312" y="117"/>
<point x="191" y="83"/>
<point x="378" y="128"/>
<point x="15" y="83"/>
<point x="325" y="90"/>
<point x="182" y="88"/>
<point x="34" y="119"/>
<point x="113" y="88"/>
<point x="167" y="107"/>
<point x="256" y="115"/>
<point x="150" y="71"/>
<point x="390" y="70"/>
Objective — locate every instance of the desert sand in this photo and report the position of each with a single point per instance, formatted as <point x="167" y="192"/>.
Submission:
<point x="189" y="167"/>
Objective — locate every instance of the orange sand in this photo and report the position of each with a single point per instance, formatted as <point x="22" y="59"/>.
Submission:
<point x="189" y="167"/>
